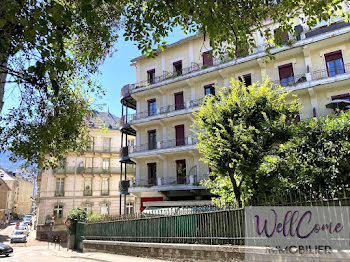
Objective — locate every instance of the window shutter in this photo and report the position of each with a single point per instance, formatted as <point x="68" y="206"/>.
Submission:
<point x="207" y="58"/>
<point x="333" y="55"/>
<point x="285" y="70"/>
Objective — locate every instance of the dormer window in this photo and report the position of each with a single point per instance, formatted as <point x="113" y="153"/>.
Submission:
<point x="151" y="76"/>
<point x="177" y="68"/>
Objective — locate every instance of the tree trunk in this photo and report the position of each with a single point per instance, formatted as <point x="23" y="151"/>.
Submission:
<point x="236" y="191"/>
<point x="3" y="75"/>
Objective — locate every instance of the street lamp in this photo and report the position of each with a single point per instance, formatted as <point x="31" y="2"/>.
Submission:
<point x="75" y="174"/>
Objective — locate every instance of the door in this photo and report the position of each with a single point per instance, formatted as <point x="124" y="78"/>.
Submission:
<point x="179" y="100"/>
<point x="152" y="173"/>
<point x="180" y="135"/>
<point x="152" y="139"/>
<point x="181" y="171"/>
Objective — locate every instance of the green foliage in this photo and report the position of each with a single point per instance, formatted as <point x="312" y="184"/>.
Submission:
<point x="316" y="160"/>
<point x="232" y="22"/>
<point x="78" y="214"/>
<point x="95" y="217"/>
<point x="237" y="130"/>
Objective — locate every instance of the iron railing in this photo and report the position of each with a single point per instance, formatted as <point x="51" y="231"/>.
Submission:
<point x="293" y="80"/>
<point x="94" y="170"/>
<point x="325" y="73"/>
<point x="171" y="180"/>
<point x="162" y="110"/>
<point x="101" y="149"/>
<point x="193" y="225"/>
<point x="326" y="29"/>
<point x="164" y="144"/>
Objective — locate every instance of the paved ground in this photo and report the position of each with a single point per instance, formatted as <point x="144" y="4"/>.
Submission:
<point x="40" y="251"/>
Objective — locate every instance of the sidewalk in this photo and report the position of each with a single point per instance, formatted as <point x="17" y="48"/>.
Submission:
<point x="103" y="257"/>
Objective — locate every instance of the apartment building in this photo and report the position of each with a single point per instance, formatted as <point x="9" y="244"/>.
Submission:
<point x="90" y="180"/>
<point x="4" y="197"/>
<point x="314" y="65"/>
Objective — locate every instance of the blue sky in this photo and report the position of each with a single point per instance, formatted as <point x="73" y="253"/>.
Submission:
<point x="117" y="72"/>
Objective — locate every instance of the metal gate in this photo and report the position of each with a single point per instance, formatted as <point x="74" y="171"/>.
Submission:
<point x="79" y="235"/>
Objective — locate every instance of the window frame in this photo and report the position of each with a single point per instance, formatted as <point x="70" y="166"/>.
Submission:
<point x="152" y="134"/>
<point x="284" y="76"/>
<point x="103" y="163"/>
<point x="332" y="59"/>
<point x="151" y="76"/>
<point x="211" y="88"/>
<point x="176" y="71"/>
<point x="152" y="102"/>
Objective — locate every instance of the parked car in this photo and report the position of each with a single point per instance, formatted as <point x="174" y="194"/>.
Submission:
<point x="5" y="249"/>
<point x="23" y="229"/>
<point x="27" y="218"/>
<point x="19" y="236"/>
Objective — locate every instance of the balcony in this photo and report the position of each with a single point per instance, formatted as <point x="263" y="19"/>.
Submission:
<point x="93" y="170"/>
<point x="132" y="118"/>
<point x="125" y="97"/>
<point x="169" y="144"/>
<point x="326" y="29"/>
<point x="59" y="193"/>
<point x="87" y="192"/>
<point x="179" y="73"/>
<point x="165" y="184"/>
<point x="325" y="73"/>
<point x="292" y="80"/>
<point x="101" y="149"/>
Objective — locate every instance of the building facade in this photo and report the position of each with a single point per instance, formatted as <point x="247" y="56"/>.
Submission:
<point x="314" y="65"/>
<point x="4" y="208"/>
<point x="90" y="181"/>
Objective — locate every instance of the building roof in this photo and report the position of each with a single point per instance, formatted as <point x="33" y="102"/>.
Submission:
<point x="4" y="176"/>
<point x="170" y="45"/>
<point x="104" y="118"/>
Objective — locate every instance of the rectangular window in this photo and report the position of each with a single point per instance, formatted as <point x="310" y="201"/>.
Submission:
<point x="88" y="208"/>
<point x="209" y="90"/>
<point x="104" y="209"/>
<point x="152" y="173"/>
<point x="106" y="145"/>
<point x="177" y="68"/>
<point x="152" y="139"/>
<point x="335" y="64"/>
<point x="208" y="58"/>
<point x="105" y="164"/>
<point x="181" y="171"/>
<point x="151" y="76"/>
<point x="60" y="186"/>
<point x="247" y="79"/>
<point x="180" y="135"/>
<point x="88" y="186"/>
<point x="130" y="143"/>
<point x="105" y="186"/>
<point x="88" y="162"/>
<point x="179" y="101"/>
<point x="58" y="211"/>
<point x="286" y="74"/>
<point x="152" y="107"/>
<point x="130" y="208"/>
<point x="91" y="144"/>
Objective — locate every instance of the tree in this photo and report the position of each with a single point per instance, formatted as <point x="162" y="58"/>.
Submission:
<point x="237" y="130"/>
<point x="230" y="25"/>
<point x="316" y="160"/>
<point x="48" y="50"/>
<point x="77" y="214"/>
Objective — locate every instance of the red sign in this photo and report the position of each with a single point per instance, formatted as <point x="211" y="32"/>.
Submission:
<point x="53" y="218"/>
<point x="17" y="224"/>
<point x="68" y="222"/>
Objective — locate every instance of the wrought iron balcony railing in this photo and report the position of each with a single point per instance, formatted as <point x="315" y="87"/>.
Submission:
<point x="325" y="73"/>
<point x="162" y="110"/>
<point x="101" y="149"/>
<point x="173" y="179"/>
<point x="93" y="170"/>
<point x="164" y="144"/>
<point x="292" y="80"/>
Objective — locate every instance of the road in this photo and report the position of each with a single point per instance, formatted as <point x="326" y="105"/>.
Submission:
<point x="39" y="251"/>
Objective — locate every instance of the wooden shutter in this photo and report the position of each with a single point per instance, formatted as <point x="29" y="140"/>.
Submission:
<point x="285" y="70"/>
<point x="207" y="58"/>
<point x="333" y="55"/>
<point x="179" y="100"/>
<point x="180" y="135"/>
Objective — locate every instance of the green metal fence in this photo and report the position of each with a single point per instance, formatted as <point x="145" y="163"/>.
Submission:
<point x="202" y="225"/>
<point x="214" y="227"/>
